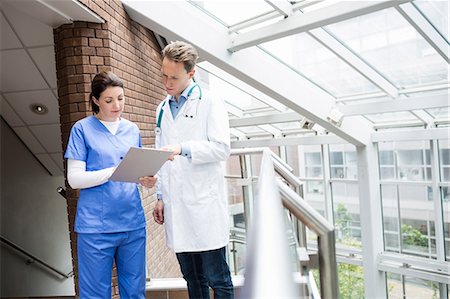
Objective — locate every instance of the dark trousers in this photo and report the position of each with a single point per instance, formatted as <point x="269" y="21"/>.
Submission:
<point x="205" y="269"/>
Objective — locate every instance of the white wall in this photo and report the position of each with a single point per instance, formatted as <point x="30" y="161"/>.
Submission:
<point x="34" y="216"/>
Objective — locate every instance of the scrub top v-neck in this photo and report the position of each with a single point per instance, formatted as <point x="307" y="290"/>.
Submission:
<point x="112" y="206"/>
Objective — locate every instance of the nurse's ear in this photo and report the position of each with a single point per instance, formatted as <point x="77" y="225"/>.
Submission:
<point x="95" y="101"/>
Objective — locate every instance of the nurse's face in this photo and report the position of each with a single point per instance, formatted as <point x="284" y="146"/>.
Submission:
<point x="110" y="103"/>
<point x="175" y="77"/>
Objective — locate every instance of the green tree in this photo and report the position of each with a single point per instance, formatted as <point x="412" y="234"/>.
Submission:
<point x="342" y="220"/>
<point x="351" y="281"/>
<point x="350" y="277"/>
<point x="412" y="236"/>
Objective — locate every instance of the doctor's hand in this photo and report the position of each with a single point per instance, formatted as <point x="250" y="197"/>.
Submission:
<point x="174" y="148"/>
<point x="147" y="181"/>
<point x="158" y="212"/>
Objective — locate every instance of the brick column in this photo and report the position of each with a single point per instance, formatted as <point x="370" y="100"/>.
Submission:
<point x="80" y="54"/>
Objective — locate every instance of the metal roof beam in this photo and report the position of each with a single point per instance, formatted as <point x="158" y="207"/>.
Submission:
<point x="265" y="119"/>
<point x="285" y="141"/>
<point x="298" y="23"/>
<point x="411" y="135"/>
<point x="397" y="105"/>
<point x="283" y="7"/>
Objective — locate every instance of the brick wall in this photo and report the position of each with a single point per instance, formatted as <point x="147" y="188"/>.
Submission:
<point x="130" y="51"/>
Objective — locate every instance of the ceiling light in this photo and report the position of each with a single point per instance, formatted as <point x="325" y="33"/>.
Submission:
<point x="39" y="109"/>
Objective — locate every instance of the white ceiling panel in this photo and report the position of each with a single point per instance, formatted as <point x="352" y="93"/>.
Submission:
<point x="30" y="31"/>
<point x="59" y="160"/>
<point x="8" y="39"/>
<point x="49" y="136"/>
<point x="30" y="141"/>
<point x="51" y="166"/>
<point x="19" y="72"/>
<point x="45" y="60"/>
<point x="21" y="102"/>
<point x="9" y="114"/>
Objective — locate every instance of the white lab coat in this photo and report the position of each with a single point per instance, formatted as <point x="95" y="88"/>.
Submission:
<point x="196" y="214"/>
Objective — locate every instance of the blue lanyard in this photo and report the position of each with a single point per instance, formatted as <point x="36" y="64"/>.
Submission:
<point x="158" y="123"/>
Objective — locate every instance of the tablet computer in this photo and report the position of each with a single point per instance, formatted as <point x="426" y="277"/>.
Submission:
<point x="139" y="162"/>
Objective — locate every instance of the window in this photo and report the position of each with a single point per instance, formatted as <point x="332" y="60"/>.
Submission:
<point x="400" y="287"/>
<point x="346" y="214"/>
<point x="412" y="166"/>
<point x="343" y="162"/>
<point x="387" y="165"/>
<point x="444" y="162"/>
<point x="313" y="163"/>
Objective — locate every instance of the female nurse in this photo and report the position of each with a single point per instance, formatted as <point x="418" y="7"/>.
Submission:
<point x="110" y="219"/>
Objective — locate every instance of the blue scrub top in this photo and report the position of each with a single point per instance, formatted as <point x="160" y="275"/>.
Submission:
<point x="112" y="206"/>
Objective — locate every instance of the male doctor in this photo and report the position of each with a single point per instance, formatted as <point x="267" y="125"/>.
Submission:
<point x="192" y="201"/>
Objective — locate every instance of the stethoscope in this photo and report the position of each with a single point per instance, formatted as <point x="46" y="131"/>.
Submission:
<point x="161" y="111"/>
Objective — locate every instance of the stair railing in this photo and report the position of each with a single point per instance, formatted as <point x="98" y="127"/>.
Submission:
<point x="32" y="259"/>
<point x="309" y="217"/>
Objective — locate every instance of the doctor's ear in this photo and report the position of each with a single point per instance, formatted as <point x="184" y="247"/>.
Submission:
<point x="191" y="73"/>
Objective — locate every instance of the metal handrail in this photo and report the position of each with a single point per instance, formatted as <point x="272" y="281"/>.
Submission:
<point x="281" y="167"/>
<point x="33" y="258"/>
<point x="325" y="238"/>
<point x="312" y="219"/>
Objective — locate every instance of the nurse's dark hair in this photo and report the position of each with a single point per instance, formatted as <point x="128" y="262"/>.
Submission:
<point x="181" y="52"/>
<point x="99" y="84"/>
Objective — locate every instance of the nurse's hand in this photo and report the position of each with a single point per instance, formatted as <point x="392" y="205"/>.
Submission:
<point x="158" y="212"/>
<point x="148" y="181"/>
<point x="174" y="148"/>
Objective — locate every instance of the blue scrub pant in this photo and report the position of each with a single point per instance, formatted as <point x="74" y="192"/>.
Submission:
<point x="205" y="269"/>
<point x="96" y="253"/>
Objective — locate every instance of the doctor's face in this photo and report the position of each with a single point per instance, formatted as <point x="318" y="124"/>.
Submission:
<point x="175" y="77"/>
<point x="110" y="103"/>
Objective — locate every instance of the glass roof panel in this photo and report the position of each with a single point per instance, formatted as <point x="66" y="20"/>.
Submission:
<point x="206" y="70"/>
<point x="287" y="126"/>
<point x="392" y="117"/>
<point x="260" y="24"/>
<point x="230" y="93"/>
<point x="436" y="13"/>
<point x="438" y="90"/>
<point x="314" y="5"/>
<point x="233" y="11"/>
<point x="251" y="129"/>
<point x="391" y="45"/>
<point x="319" y="65"/>
<point x="441" y="113"/>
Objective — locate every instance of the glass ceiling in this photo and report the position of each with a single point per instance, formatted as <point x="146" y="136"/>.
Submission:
<point x="399" y="59"/>
<point x="393" y="47"/>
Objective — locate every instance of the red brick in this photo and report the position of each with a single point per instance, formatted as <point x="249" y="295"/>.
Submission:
<point x="86" y="32"/>
<point x="96" y="60"/>
<point x="95" y="42"/>
<point x="84" y="51"/>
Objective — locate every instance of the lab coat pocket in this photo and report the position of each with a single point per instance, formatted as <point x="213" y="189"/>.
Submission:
<point x="199" y="188"/>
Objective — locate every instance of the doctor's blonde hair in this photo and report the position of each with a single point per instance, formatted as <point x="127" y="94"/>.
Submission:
<point x="181" y="52"/>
